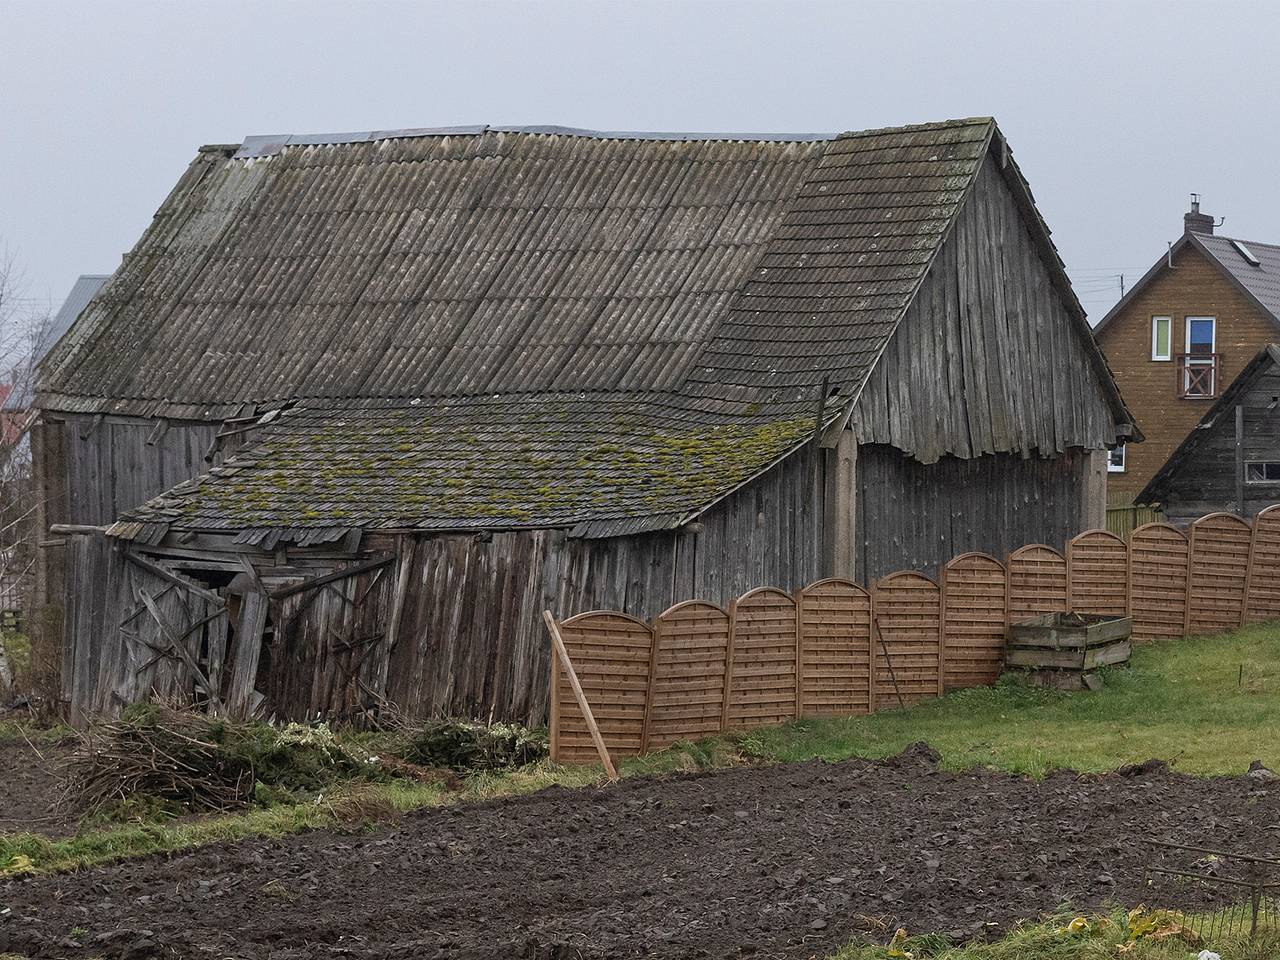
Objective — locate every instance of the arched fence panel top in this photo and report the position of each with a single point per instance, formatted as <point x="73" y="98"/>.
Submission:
<point x="973" y="560"/>
<point x="764" y="596"/>
<point x="906" y="580"/>
<point x="687" y="608"/>
<point x="1158" y="529"/>
<point x="834" y="585"/>
<point x="1036" y="551"/>
<point x="1096" y="536"/>
<point x="1263" y="594"/>
<point x="1220" y="521"/>
<point x="597" y="618"/>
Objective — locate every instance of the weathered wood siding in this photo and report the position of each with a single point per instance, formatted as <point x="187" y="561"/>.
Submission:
<point x="469" y="639"/>
<point x="1205" y="481"/>
<point x="988" y="358"/>
<point x="915" y="516"/>
<point x="109" y="466"/>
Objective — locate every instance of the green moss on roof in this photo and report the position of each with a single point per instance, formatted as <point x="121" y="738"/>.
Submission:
<point x="537" y="464"/>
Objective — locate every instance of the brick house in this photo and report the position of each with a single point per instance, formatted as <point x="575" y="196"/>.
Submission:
<point x="1182" y="334"/>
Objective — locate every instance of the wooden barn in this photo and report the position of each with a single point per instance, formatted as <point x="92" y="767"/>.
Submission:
<point x="357" y="408"/>
<point x="1230" y="462"/>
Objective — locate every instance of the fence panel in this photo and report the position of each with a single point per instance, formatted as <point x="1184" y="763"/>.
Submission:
<point x="1263" y="600"/>
<point x="611" y="654"/>
<point x="1037" y="582"/>
<point x="762" y="660"/>
<point x="686" y="686"/>
<point x="908" y="612"/>
<point x="973" y="602"/>
<point x="1097" y="574"/>
<point x="1219" y="569"/>
<point x="835" y="649"/>
<point x="1159" y="558"/>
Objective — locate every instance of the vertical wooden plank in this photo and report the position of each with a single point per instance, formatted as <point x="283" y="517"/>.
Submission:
<point x="799" y="707"/>
<point x="729" y="662"/>
<point x="655" y="633"/>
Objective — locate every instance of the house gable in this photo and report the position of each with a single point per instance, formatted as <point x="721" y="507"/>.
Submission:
<point x="1200" y="476"/>
<point x="1194" y="286"/>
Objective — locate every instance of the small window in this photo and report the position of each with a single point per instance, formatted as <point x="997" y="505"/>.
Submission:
<point x="1262" y="471"/>
<point x="1202" y="336"/>
<point x="1161" y="338"/>
<point x="1245" y="252"/>
<point x="1115" y="459"/>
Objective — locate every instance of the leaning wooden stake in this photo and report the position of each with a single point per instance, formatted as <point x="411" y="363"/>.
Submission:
<point x="562" y="652"/>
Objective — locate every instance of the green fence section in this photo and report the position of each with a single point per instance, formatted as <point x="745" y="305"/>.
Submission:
<point x="1123" y="519"/>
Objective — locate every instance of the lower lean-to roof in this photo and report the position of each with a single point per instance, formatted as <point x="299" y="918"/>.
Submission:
<point x="608" y="463"/>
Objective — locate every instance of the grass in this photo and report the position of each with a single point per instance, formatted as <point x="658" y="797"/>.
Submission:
<point x="1104" y="938"/>
<point x="353" y="803"/>
<point x="1210" y="705"/>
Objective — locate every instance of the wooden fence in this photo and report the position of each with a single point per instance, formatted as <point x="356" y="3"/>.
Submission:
<point x="835" y="649"/>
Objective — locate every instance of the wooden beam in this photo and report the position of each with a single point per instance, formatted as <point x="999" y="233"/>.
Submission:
<point x="562" y="652"/>
<point x="344" y="573"/>
<point x="253" y="620"/>
<point x="166" y="574"/>
<point x="177" y="641"/>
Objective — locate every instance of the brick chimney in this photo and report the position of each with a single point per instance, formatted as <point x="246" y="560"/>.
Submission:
<point x="1195" y="221"/>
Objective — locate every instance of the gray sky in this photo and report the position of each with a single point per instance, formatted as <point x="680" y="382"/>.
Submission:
<point x="1114" y="110"/>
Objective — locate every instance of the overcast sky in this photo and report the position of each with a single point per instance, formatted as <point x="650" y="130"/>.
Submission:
<point x="1115" y="110"/>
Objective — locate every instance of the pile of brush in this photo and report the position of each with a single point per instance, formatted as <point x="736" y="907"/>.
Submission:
<point x="184" y="761"/>
<point x="464" y="745"/>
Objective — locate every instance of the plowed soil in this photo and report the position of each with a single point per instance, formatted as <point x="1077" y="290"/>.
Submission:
<point x="29" y="788"/>
<point x="779" y="861"/>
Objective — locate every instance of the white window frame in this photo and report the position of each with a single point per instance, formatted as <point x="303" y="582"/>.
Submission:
<point x="1213" y="346"/>
<point x="1113" y="467"/>
<point x="1155" y="355"/>
<point x="1258" y="463"/>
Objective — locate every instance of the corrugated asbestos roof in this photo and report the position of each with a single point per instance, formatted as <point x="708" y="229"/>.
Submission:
<point x="698" y="282"/>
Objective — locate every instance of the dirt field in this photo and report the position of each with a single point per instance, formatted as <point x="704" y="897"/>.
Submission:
<point x="781" y="861"/>
<point x="29" y="788"/>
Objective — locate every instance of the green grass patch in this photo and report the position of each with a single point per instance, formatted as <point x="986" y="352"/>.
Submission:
<point x="1208" y="704"/>
<point x="1096" y="938"/>
<point x="359" y="802"/>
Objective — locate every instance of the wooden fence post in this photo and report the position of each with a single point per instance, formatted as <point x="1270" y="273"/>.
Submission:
<point x="728" y="666"/>
<point x="799" y="595"/>
<point x="563" y="652"/>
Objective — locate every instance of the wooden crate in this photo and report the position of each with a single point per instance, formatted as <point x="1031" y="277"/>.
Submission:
<point x="1064" y="649"/>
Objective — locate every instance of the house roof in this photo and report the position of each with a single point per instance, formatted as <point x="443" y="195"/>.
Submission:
<point x="1158" y="486"/>
<point x="78" y="297"/>
<point x="1260" y="281"/>
<point x="696" y="283"/>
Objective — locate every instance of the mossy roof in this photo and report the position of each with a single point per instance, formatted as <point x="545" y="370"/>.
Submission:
<point x="550" y="460"/>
